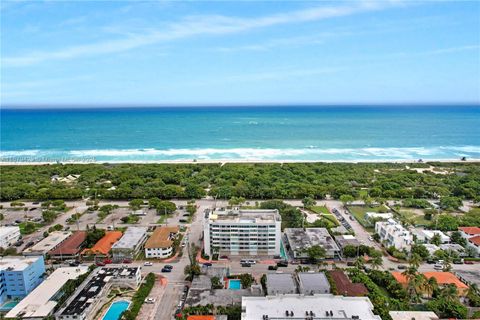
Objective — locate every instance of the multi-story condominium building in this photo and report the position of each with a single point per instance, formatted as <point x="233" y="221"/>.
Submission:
<point x="242" y="232"/>
<point x="394" y="234"/>
<point x="8" y="236"/>
<point x="19" y="276"/>
<point x="160" y="244"/>
<point x="130" y="244"/>
<point x="472" y="234"/>
<point x="298" y="240"/>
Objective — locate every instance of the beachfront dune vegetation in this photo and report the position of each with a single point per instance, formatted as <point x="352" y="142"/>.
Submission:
<point x="243" y="180"/>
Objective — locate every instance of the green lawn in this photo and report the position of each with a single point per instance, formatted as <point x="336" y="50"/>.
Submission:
<point x="359" y="213"/>
<point x="28" y="227"/>
<point x="324" y="217"/>
<point x="362" y="193"/>
<point x="132" y="219"/>
<point x="320" y="209"/>
<point x="418" y="220"/>
<point x="162" y="219"/>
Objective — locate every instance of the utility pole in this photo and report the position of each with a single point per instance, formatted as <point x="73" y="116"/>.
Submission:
<point x="76" y="216"/>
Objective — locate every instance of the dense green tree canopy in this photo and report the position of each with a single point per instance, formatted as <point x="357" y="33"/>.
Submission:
<point x="250" y="181"/>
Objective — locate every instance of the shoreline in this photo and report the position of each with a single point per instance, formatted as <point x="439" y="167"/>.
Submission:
<point x="236" y="161"/>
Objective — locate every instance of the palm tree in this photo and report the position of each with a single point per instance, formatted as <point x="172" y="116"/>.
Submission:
<point x="415" y="261"/>
<point x="431" y="286"/>
<point x="473" y="289"/>
<point x="419" y="283"/>
<point x="449" y="293"/>
<point x="447" y="261"/>
<point x="360" y="262"/>
<point x="376" y="262"/>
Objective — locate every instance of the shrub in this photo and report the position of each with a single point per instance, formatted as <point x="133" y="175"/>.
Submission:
<point x="139" y="297"/>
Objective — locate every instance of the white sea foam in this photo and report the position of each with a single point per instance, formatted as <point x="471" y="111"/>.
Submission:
<point x="274" y="153"/>
<point x="305" y="153"/>
<point x="19" y="153"/>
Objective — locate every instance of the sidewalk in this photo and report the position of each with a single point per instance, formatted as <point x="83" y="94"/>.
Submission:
<point x="149" y="310"/>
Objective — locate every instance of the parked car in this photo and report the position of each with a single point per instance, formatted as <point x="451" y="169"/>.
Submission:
<point x="402" y="267"/>
<point x="468" y="262"/>
<point x="150" y="300"/>
<point x="430" y="261"/>
<point x="350" y="263"/>
<point x="74" y="263"/>
<point x="28" y="245"/>
<point x="107" y="261"/>
<point x="148" y="264"/>
<point x="166" y="270"/>
<point x="100" y="264"/>
<point x="246" y="265"/>
<point x="272" y="267"/>
<point x="282" y="264"/>
<point x="183" y="220"/>
<point x="438" y="266"/>
<point x="127" y="261"/>
<point x="168" y="266"/>
<point x="351" y="218"/>
<point x="248" y="261"/>
<point x="458" y="261"/>
<point x="223" y="257"/>
<point x="370" y="238"/>
<point x="207" y="264"/>
<point x="18" y="243"/>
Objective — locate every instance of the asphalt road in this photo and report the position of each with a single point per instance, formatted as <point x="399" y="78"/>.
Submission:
<point x="170" y="297"/>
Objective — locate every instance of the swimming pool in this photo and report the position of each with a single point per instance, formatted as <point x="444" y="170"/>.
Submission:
<point x="8" y="306"/>
<point x="234" y="284"/>
<point x="116" y="309"/>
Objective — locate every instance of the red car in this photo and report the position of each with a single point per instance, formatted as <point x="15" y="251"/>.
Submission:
<point x="107" y="261"/>
<point x="468" y="262"/>
<point x="127" y="261"/>
<point x="100" y="264"/>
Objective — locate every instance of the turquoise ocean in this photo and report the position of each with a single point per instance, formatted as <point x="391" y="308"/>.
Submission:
<point x="336" y="133"/>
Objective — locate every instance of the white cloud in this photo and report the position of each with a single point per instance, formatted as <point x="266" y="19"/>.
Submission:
<point x="189" y="27"/>
<point x="285" y="42"/>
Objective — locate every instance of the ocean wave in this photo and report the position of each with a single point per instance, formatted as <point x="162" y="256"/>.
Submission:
<point x="278" y="153"/>
<point x="19" y="153"/>
<point x="304" y="153"/>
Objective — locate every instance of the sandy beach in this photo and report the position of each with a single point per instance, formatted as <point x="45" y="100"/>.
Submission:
<point x="225" y="161"/>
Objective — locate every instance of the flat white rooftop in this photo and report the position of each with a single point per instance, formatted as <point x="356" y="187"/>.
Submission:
<point x="16" y="263"/>
<point x="47" y="244"/>
<point x="254" y="308"/>
<point x="130" y="238"/>
<point x="417" y="315"/>
<point x="245" y="216"/>
<point x="38" y="304"/>
<point x="4" y="231"/>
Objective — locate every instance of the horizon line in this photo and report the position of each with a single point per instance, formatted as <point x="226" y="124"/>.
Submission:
<point x="68" y="106"/>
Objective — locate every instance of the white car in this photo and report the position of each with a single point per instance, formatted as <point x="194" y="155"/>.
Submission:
<point x="150" y="300"/>
<point x="148" y="264"/>
<point x="370" y="238"/>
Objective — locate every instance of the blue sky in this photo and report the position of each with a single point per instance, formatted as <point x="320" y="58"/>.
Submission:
<point x="63" y="53"/>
